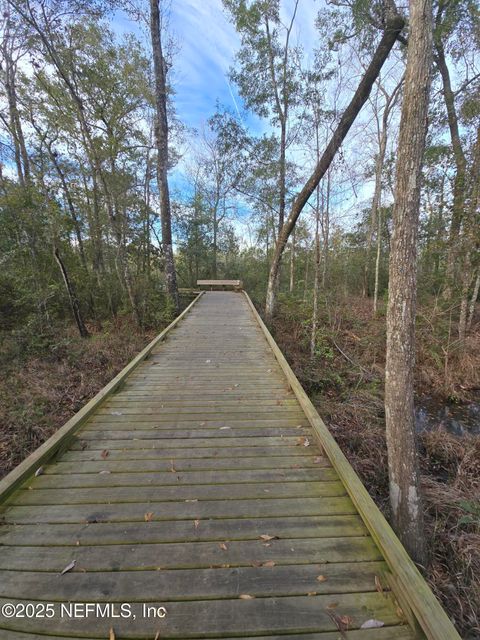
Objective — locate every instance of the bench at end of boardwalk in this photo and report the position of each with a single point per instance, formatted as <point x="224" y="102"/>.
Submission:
<point x="237" y="285"/>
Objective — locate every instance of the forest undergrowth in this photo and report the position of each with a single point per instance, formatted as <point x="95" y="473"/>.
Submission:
<point x="345" y="382"/>
<point x="48" y="376"/>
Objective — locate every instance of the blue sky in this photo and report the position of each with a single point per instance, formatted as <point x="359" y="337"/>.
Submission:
<point x="207" y="43"/>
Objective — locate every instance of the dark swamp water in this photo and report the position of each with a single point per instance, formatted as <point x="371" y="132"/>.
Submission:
<point x="458" y="419"/>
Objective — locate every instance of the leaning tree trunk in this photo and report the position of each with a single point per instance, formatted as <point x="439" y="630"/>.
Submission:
<point x="161" y="134"/>
<point x="77" y="314"/>
<point x="458" y="207"/>
<point x="405" y="498"/>
<point x="394" y="27"/>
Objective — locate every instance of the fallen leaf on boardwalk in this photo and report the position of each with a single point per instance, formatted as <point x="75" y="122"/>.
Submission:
<point x="236" y="385"/>
<point x="312" y="593"/>
<point x="202" y="424"/>
<point x="69" y="567"/>
<point x="245" y="596"/>
<point x="321" y="578"/>
<point x="225" y="428"/>
<point x="340" y="622"/>
<point x="39" y="472"/>
<point x="303" y="441"/>
<point x="111" y="635"/>
<point x="256" y="563"/>
<point x="148" y="516"/>
<point x="157" y="635"/>
<point x="266" y="537"/>
<point x="223" y="546"/>
<point x="197" y="522"/>
<point x="116" y="413"/>
<point x="268" y="563"/>
<point x="207" y="361"/>
<point x="101" y="473"/>
<point x="372" y="624"/>
<point x="378" y="585"/>
<point x="399" y="612"/>
<point x="332" y="605"/>
<point x="317" y="459"/>
<point x="172" y="467"/>
<point x="194" y="500"/>
<point x="104" y="454"/>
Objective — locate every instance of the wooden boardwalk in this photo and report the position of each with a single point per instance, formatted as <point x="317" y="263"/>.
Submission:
<point x="198" y="486"/>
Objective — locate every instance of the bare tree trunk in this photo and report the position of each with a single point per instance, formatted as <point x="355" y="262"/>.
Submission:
<point x="466" y="280"/>
<point x="20" y="150"/>
<point x="459" y="156"/>
<point x="161" y="134"/>
<point x="394" y="27"/>
<point x="325" y="224"/>
<point x="292" y="262"/>
<point x="82" y="329"/>
<point x="377" y="196"/>
<point x="377" y="260"/>
<point x="473" y="300"/>
<point x="405" y="498"/>
<point x="316" y="278"/>
<point x="305" y="284"/>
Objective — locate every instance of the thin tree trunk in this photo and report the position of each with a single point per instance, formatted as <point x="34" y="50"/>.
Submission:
<point x="377" y="197"/>
<point x="460" y="163"/>
<point x="394" y="27"/>
<point x="20" y="150"/>
<point x="161" y="134"/>
<point x="82" y="329"/>
<point x="377" y="260"/>
<point x="316" y="279"/>
<point x="325" y="224"/>
<point x="307" y="268"/>
<point x="466" y="280"/>
<point x="473" y="300"/>
<point x="405" y="497"/>
<point x="292" y="262"/>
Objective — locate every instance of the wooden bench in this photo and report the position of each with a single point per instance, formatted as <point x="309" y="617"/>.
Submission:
<point x="237" y="285"/>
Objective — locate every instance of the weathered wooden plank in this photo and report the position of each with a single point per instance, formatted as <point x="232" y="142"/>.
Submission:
<point x="218" y="438"/>
<point x="170" y="451"/>
<point x="189" y="421"/>
<point x="96" y="434"/>
<point x="146" y="556"/>
<point x="182" y="478"/>
<point x="180" y="510"/>
<point x="401" y="632"/>
<point x="141" y="464"/>
<point x="101" y="533"/>
<point x="127" y="400"/>
<point x="202" y="583"/>
<point x="194" y="619"/>
<point x="113" y="494"/>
